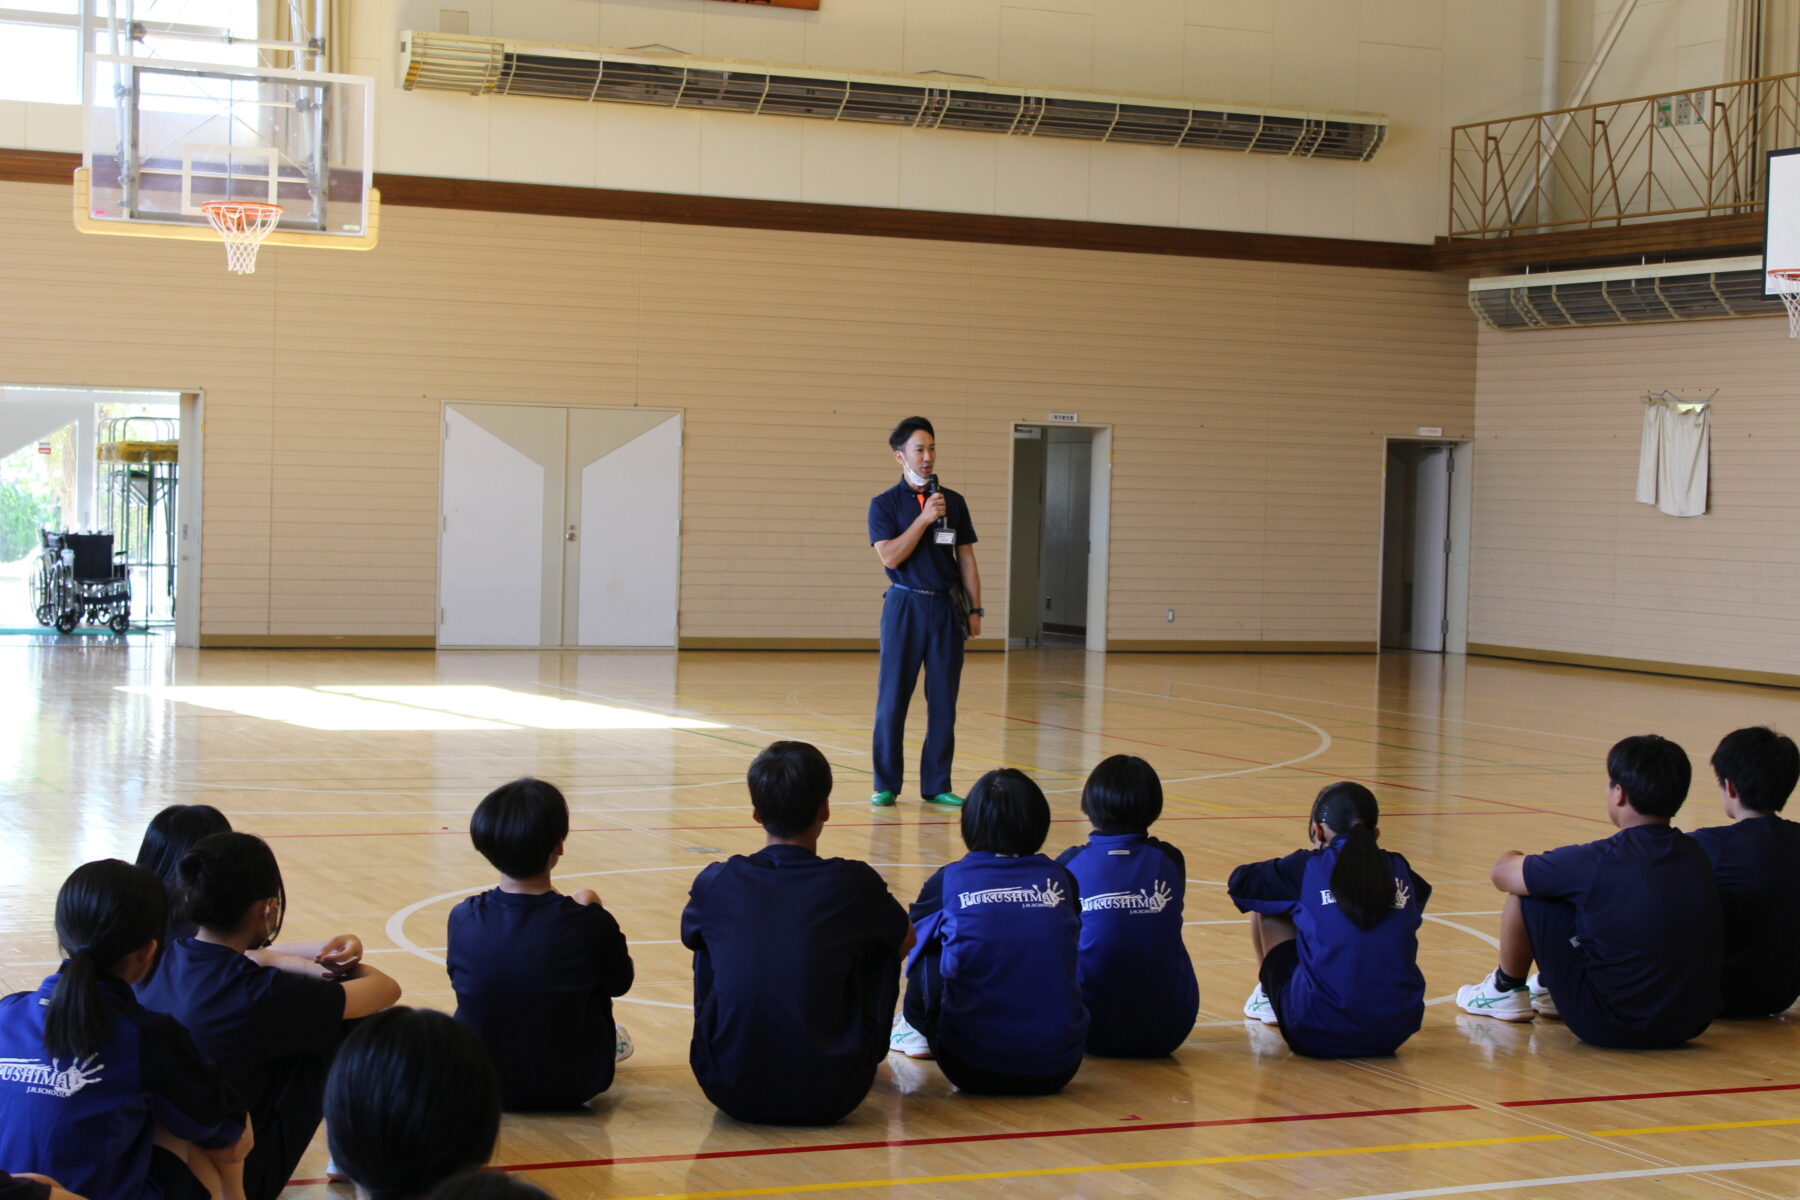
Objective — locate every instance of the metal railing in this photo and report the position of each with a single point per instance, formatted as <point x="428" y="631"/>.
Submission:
<point x="1698" y="153"/>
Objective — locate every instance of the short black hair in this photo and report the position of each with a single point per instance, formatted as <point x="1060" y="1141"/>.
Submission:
<point x="1654" y="772"/>
<point x="172" y="833"/>
<point x="906" y="429"/>
<point x="1006" y="813"/>
<point x="518" y="826"/>
<point x="222" y="876"/>
<point x="412" y="1100"/>
<point x="1122" y="795"/>
<point x="789" y="782"/>
<point x="1763" y="765"/>
<point x="488" y="1185"/>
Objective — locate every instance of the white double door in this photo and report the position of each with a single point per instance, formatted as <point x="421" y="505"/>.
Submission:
<point x="560" y="526"/>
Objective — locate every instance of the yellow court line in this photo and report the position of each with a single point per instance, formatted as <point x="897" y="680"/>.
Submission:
<point x="1043" y="1172"/>
<point x="1696" y="1128"/>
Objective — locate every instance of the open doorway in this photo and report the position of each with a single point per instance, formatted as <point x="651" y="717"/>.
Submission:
<point x="1424" y="547"/>
<point x="1060" y="520"/>
<point x="82" y="461"/>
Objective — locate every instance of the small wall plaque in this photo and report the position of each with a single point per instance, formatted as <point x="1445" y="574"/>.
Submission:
<point x="1064" y="419"/>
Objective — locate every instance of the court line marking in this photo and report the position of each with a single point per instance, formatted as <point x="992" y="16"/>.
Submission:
<point x="968" y="1138"/>
<point x="1096" y="1168"/>
<point x="1697" y="1128"/>
<point x="1502" y="1185"/>
<point x="1322" y="747"/>
<point x="1032" y="1135"/>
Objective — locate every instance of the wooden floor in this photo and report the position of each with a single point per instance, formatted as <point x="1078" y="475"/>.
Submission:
<point x="365" y="796"/>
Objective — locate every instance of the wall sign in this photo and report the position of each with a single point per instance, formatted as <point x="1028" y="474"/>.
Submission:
<point x="808" y="4"/>
<point x="1064" y="419"/>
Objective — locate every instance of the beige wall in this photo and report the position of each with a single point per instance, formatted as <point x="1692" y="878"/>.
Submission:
<point x="1428" y="64"/>
<point x="1567" y="561"/>
<point x="1250" y="402"/>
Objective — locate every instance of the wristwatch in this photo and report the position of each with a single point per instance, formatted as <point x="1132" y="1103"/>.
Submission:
<point x="978" y="612"/>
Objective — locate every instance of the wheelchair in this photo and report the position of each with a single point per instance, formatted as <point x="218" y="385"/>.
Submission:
<point x="77" y="576"/>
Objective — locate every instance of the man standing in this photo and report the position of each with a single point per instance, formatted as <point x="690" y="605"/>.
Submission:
<point x="927" y="543"/>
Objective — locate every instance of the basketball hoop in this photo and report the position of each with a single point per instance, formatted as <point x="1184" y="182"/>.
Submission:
<point x="245" y="225"/>
<point x="1790" y="295"/>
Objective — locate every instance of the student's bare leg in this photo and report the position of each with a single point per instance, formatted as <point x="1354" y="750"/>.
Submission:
<point x="1268" y="931"/>
<point x="1515" y="939"/>
<point x="221" y="1181"/>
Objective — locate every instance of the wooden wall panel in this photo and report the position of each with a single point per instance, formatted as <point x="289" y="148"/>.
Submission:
<point x="1567" y="561"/>
<point x="1250" y="401"/>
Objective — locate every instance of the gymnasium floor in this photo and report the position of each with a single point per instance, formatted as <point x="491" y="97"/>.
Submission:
<point x="365" y="795"/>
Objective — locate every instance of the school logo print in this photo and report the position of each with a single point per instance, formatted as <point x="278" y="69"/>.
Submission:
<point x="1048" y="896"/>
<point x="48" y="1079"/>
<point x="1139" y="901"/>
<point x="1402" y="894"/>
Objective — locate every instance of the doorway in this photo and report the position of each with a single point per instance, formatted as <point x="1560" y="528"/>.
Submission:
<point x="1424" y="547"/>
<point x="559" y="526"/>
<point x="1060" y="523"/>
<point x="94" y="460"/>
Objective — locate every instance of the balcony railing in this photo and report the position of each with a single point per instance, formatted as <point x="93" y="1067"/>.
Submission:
<point x="1652" y="158"/>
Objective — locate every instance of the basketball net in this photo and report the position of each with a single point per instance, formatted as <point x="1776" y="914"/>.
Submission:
<point x="1790" y="296"/>
<point x="243" y="226"/>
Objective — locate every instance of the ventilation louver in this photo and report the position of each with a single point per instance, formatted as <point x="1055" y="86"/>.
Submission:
<point x="1690" y="291"/>
<point x="445" y="62"/>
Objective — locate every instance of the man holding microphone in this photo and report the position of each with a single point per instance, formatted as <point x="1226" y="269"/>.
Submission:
<point x="926" y="541"/>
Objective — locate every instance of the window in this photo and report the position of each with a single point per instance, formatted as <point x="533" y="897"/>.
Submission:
<point x="39" y="39"/>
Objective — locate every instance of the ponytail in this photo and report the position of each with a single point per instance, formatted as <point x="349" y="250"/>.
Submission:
<point x="1362" y="879"/>
<point x="105" y="910"/>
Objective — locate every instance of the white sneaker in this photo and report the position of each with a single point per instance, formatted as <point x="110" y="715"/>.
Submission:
<point x="1258" y="1008"/>
<point x="908" y="1041"/>
<point x="1485" y="1000"/>
<point x="622" y="1047"/>
<point x="1541" y="1001"/>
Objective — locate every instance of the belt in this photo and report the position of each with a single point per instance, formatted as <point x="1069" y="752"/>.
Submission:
<point x="917" y="591"/>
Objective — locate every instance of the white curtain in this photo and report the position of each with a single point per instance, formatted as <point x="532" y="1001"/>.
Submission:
<point x="1673" y="457"/>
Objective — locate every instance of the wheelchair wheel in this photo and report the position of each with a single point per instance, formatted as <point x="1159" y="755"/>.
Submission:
<point x="67" y="621"/>
<point x="121" y="621"/>
<point x="46" y="615"/>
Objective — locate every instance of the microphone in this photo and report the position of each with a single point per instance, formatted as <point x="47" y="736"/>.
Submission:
<point x="931" y="489"/>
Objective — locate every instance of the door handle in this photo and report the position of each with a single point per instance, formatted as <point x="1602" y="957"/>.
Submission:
<point x="570" y="536"/>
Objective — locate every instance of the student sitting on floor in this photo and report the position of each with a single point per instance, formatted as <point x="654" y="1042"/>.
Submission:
<point x="993" y="989"/>
<point x="167" y="839"/>
<point x="1336" y="930"/>
<point x="111" y="1100"/>
<point x="1626" y="931"/>
<point x="412" y="1102"/>
<point x="1756" y="865"/>
<point x="270" y="1017"/>
<point x="796" y="959"/>
<point x="1136" y="975"/>
<point x="534" y="970"/>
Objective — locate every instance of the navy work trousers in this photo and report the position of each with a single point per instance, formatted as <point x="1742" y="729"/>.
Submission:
<point x="917" y="630"/>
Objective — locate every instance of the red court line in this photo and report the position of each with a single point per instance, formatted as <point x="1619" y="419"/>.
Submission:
<point x="1731" y="1091"/>
<point x="1027" y="1135"/>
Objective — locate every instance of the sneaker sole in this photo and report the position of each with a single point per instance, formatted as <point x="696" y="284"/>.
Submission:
<point x="1509" y="1018"/>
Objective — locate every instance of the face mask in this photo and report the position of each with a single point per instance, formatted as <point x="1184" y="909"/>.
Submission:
<point x="913" y="478"/>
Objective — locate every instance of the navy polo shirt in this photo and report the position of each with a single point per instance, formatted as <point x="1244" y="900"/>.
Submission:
<point x="1647" y="924"/>
<point x="244" y="1018"/>
<point x="795" y="958"/>
<point x="930" y="567"/>
<point x="88" y="1125"/>
<point x="1354" y="991"/>
<point x="1006" y="929"/>
<point x="1756" y="865"/>
<point x="534" y="977"/>
<point x="1136" y="975"/>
